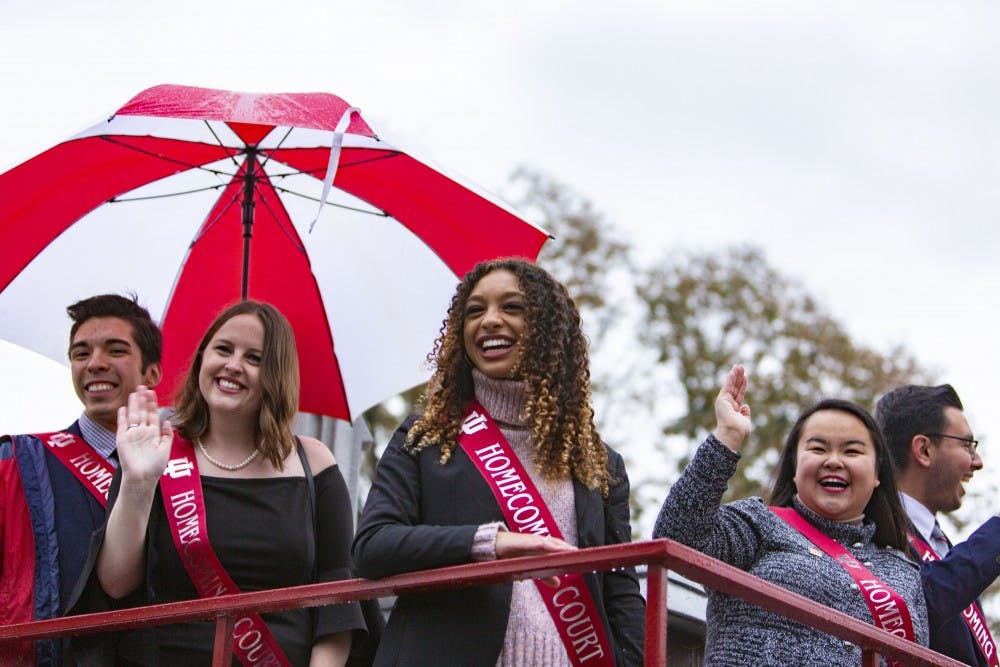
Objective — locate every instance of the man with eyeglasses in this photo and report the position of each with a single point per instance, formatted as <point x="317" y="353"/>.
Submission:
<point x="934" y="455"/>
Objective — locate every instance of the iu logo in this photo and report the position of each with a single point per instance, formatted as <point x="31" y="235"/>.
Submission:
<point x="180" y="467"/>
<point x="474" y="423"/>
<point x="847" y="560"/>
<point x="59" y="440"/>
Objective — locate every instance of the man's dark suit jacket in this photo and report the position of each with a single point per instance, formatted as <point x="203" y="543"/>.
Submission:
<point x="953" y="583"/>
<point x="421" y="514"/>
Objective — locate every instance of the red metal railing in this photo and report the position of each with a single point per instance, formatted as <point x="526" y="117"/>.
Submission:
<point x="659" y="555"/>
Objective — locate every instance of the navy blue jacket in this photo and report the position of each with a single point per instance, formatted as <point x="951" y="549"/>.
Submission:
<point x="953" y="583"/>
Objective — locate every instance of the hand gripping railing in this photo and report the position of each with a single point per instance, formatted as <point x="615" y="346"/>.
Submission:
<point x="659" y="555"/>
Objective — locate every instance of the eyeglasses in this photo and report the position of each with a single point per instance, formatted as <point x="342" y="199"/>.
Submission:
<point x="970" y="444"/>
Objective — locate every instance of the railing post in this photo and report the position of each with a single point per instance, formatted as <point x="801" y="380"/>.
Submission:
<point x="656" y="615"/>
<point x="870" y="658"/>
<point x="222" y="655"/>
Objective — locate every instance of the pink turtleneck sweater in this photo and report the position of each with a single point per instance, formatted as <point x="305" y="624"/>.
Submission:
<point x="531" y="638"/>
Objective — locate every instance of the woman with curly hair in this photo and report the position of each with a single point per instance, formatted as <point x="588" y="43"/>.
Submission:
<point x="505" y="461"/>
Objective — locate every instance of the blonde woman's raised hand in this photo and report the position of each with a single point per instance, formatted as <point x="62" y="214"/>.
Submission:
<point x="732" y="415"/>
<point x="143" y="443"/>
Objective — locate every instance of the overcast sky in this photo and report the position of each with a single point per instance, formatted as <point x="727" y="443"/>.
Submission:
<point x="856" y="142"/>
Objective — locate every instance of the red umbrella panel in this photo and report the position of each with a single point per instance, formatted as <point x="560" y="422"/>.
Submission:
<point x="196" y="198"/>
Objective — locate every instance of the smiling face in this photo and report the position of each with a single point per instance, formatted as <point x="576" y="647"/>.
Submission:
<point x="835" y="469"/>
<point x="951" y="463"/>
<point x="494" y="324"/>
<point x="229" y="378"/>
<point x="106" y="365"/>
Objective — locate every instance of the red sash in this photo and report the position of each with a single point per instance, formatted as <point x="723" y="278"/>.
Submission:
<point x="887" y="607"/>
<point x="570" y="603"/>
<point x="93" y="471"/>
<point x="180" y="486"/>
<point x="973" y="614"/>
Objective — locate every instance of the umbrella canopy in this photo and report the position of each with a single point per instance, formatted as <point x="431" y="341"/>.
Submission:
<point x="196" y="198"/>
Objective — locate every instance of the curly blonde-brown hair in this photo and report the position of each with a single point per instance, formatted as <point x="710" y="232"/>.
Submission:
<point x="553" y="363"/>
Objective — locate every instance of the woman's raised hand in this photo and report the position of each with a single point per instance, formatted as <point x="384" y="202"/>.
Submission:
<point x="143" y="443"/>
<point x="143" y="446"/>
<point x="732" y="415"/>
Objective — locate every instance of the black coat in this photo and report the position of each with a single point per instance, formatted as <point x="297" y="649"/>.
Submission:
<point x="421" y="515"/>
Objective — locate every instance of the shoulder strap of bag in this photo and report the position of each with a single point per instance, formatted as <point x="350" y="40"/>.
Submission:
<point x="312" y="498"/>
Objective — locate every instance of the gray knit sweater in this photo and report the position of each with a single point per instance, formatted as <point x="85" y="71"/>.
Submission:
<point x="748" y="535"/>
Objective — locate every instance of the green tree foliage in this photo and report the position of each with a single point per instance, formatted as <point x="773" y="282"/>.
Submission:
<point x="584" y="253"/>
<point x="706" y="311"/>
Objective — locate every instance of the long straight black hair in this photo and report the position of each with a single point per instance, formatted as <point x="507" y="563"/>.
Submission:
<point x="884" y="507"/>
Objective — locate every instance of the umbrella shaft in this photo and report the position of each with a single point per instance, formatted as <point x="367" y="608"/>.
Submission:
<point x="249" y="185"/>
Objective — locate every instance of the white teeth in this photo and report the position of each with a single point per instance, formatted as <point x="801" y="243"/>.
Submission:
<point x="226" y="384"/>
<point x="100" y="386"/>
<point x="495" y="343"/>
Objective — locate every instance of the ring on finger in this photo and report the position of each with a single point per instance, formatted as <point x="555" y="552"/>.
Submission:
<point x="133" y="426"/>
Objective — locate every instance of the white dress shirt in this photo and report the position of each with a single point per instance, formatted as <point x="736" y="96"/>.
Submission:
<point x="925" y="523"/>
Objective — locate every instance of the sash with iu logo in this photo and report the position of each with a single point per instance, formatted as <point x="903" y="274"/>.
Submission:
<point x="888" y="608"/>
<point x="93" y="471"/>
<point x="972" y="615"/>
<point x="570" y="603"/>
<point x="180" y="486"/>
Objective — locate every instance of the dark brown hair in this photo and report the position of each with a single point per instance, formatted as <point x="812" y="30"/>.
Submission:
<point x="145" y="332"/>
<point x="912" y="410"/>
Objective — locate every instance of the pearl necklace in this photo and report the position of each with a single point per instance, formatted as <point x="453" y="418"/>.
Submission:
<point x="225" y="466"/>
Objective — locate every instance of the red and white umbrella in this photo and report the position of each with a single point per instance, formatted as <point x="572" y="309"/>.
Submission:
<point x="196" y="198"/>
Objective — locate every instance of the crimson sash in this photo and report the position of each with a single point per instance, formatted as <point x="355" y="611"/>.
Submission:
<point x="93" y="471"/>
<point x="180" y="486"/>
<point x="887" y="607"/>
<point x="570" y="603"/>
<point x="972" y="616"/>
